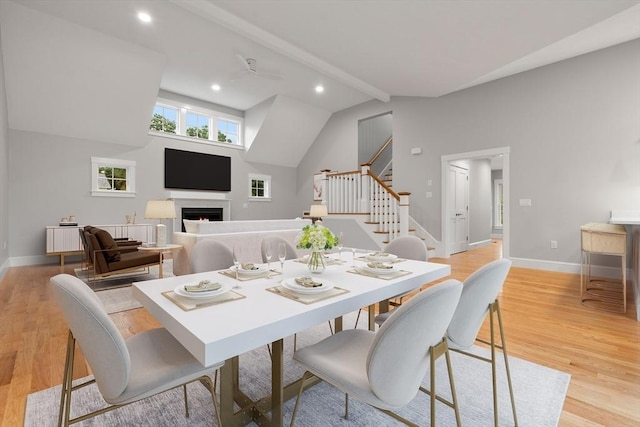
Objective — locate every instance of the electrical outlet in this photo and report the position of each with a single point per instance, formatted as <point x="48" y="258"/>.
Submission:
<point x="429" y="194"/>
<point x="554" y="244"/>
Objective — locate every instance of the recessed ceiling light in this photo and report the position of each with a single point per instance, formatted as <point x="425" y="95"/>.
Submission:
<point x="215" y="87"/>
<point x="144" y="17"/>
<point x="319" y="89"/>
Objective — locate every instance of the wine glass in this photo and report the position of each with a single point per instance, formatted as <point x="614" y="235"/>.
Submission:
<point x="340" y="244"/>
<point x="282" y="254"/>
<point x="268" y="254"/>
<point x="236" y="267"/>
<point x="353" y="257"/>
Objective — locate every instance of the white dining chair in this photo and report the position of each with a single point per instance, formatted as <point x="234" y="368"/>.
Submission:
<point x="479" y="299"/>
<point x="125" y="371"/>
<point x="210" y="255"/>
<point x="385" y="369"/>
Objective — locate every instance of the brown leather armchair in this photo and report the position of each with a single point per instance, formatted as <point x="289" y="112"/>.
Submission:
<point x="109" y="258"/>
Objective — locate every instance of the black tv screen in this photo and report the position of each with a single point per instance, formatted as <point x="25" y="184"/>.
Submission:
<point x="187" y="170"/>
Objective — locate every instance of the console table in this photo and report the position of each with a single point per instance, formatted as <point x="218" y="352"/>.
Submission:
<point x="64" y="240"/>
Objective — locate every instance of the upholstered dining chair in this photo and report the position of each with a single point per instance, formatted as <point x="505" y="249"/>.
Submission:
<point x="385" y="368"/>
<point x="273" y="242"/>
<point x="209" y="255"/>
<point x="125" y="371"/>
<point x="407" y="247"/>
<point x="479" y="298"/>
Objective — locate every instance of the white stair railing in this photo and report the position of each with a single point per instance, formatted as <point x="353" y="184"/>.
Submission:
<point x="363" y="192"/>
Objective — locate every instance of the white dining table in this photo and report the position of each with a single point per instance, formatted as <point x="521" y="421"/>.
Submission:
<point x="224" y="331"/>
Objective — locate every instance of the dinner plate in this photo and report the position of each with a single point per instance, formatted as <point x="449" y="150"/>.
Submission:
<point x="291" y="284"/>
<point x="179" y="290"/>
<point x="379" y="271"/>
<point x="260" y="269"/>
<point x="378" y="256"/>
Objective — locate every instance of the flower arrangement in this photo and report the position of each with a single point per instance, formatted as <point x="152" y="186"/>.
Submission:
<point x="316" y="237"/>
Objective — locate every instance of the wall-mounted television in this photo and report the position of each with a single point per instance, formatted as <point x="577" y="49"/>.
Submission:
<point x="188" y="170"/>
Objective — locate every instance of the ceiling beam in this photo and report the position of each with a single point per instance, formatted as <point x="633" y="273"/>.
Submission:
<point x="240" y="26"/>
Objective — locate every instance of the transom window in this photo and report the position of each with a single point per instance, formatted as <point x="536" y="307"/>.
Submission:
<point x="201" y="124"/>
<point x="259" y="187"/>
<point x="112" y="177"/>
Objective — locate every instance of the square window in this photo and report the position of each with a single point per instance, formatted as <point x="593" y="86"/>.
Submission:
<point x="228" y="131"/>
<point x="164" y="119"/>
<point x="197" y="125"/>
<point x="260" y="187"/>
<point x="112" y="177"/>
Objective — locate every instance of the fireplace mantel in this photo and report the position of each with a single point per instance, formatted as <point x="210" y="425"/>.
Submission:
<point x="197" y="195"/>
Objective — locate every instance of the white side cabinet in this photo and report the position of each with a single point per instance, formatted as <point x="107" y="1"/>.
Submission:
<point x="65" y="240"/>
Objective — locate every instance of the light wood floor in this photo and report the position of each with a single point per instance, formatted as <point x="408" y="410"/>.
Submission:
<point x="544" y="323"/>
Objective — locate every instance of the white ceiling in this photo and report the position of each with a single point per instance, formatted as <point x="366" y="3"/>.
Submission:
<point x="359" y="49"/>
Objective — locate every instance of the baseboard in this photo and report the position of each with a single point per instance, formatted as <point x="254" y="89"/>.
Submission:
<point x="476" y="245"/>
<point x="33" y="260"/>
<point x="567" y="267"/>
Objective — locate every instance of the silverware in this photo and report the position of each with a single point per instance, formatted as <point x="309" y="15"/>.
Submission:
<point x="287" y="294"/>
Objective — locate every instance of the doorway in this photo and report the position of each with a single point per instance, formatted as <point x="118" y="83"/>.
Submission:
<point x="450" y="228"/>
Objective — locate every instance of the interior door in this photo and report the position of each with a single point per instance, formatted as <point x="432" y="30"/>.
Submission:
<point x="458" y="208"/>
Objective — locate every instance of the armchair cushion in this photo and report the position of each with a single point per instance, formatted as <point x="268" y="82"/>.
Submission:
<point x="109" y="245"/>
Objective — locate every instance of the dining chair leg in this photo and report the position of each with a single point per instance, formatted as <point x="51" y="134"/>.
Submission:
<point x="506" y="362"/>
<point x="346" y="406"/>
<point x="454" y="398"/>
<point x="67" y="378"/>
<point x="432" y="385"/>
<point x="295" y="408"/>
<point x="186" y="402"/>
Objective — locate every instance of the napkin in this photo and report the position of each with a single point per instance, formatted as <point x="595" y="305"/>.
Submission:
<point x="248" y="266"/>
<point x="203" y="286"/>
<point x="377" y="254"/>
<point x="307" y="282"/>
<point x="379" y="265"/>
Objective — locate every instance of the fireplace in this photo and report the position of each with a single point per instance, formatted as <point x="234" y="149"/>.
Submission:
<point x="205" y="214"/>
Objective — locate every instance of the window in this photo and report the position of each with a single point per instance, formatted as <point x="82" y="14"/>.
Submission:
<point x="259" y="187"/>
<point x="498" y="204"/>
<point x="228" y="131"/>
<point x="173" y="119"/>
<point x="197" y="125"/>
<point x="164" y="119"/>
<point x="112" y="177"/>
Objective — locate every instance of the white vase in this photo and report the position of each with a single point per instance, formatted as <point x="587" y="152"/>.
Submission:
<point x="316" y="262"/>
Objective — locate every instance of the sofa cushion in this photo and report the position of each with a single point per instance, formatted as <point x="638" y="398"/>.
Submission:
<point x="107" y="243"/>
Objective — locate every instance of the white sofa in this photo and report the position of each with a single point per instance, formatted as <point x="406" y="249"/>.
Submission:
<point x="243" y="236"/>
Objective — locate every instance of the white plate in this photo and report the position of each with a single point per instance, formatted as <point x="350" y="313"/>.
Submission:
<point x="382" y="258"/>
<point x="242" y="272"/>
<point x="200" y="295"/>
<point x="380" y="271"/>
<point x="291" y="284"/>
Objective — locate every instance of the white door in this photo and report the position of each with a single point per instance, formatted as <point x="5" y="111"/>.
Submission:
<point x="458" y="194"/>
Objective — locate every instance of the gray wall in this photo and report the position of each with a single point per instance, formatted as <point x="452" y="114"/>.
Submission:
<point x="572" y="128"/>
<point x="4" y="171"/>
<point x="50" y="176"/>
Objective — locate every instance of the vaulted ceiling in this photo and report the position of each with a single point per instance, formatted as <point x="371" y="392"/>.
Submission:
<point x="76" y="68"/>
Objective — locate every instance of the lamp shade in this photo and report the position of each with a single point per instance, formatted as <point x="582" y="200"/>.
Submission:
<point x="318" y="211"/>
<point x="160" y="209"/>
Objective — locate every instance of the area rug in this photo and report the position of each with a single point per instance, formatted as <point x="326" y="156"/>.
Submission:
<point x="539" y="393"/>
<point x="119" y="299"/>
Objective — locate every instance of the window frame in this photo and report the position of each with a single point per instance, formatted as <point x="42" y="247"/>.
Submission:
<point x="213" y="117"/>
<point x="129" y="165"/>
<point x="266" y="179"/>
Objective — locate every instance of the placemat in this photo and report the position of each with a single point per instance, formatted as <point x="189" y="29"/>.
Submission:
<point x="232" y="274"/>
<point x="307" y="298"/>
<point x="327" y="261"/>
<point x="188" y="304"/>
<point x="399" y="273"/>
<point x="365" y="258"/>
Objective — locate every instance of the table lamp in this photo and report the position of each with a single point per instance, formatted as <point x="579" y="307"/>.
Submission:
<point x="160" y="209"/>
<point x="317" y="212"/>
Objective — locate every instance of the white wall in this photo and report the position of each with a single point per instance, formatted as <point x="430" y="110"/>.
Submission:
<point x="4" y="172"/>
<point x="572" y="128"/>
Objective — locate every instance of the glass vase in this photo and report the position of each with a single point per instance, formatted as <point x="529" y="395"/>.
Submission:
<point x="316" y="262"/>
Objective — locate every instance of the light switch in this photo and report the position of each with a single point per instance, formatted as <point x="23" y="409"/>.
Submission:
<point x="429" y="194"/>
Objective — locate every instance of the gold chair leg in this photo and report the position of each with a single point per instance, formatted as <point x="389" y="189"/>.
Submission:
<point x="67" y="378"/>
<point x="295" y="408"/>
<point x="454" y="398"/>
<point x="506" y="363"/>
<point x="212" y="389"/>
<point x="186" y="402"/>
<point x="346" y="406"/>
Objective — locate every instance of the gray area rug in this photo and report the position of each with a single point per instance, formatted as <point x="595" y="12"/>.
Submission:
<point x="539" y="391"/>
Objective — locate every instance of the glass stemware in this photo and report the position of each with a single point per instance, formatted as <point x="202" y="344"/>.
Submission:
<point x="353" y="257"/>
<point x="268" y="255"/>
<point x="340" y="244"/>
<point x="282" y="254"/>
<point x="236" y="265"/>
